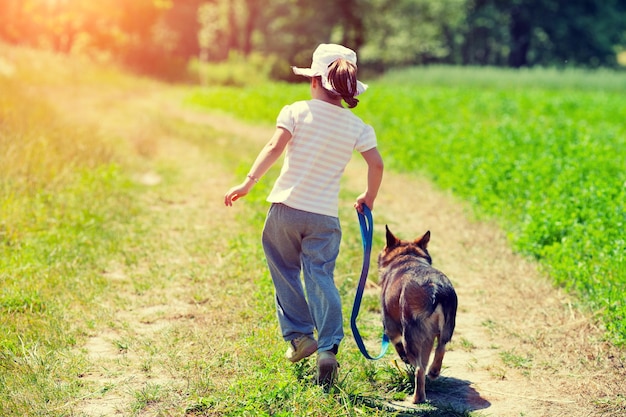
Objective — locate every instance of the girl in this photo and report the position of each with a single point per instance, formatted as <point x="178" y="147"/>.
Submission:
<point x="302" y="231"/>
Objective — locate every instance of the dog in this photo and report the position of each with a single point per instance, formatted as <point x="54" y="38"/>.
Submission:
<point x="419" y="305"/>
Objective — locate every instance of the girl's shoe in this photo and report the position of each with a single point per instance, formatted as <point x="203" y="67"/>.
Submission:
<point x="300" y="348"/>
<point x="326" y="368"/>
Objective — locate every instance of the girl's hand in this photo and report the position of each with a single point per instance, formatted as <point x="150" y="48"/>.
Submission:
<point x="236" y="193"/>
<point x="364" y="199"/>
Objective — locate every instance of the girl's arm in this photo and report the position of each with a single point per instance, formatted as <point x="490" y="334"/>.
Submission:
<point x="266" y="158"/>
<point x="375" y="169"/>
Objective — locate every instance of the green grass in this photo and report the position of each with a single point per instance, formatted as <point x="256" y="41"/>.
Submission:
<point x="70" y="215"/>
<point x="64" y="204"/>
<point x="547" y="163"/>
<point x="254" y="104"/>
<point x="541" y="151"/>
<point x="511" y="79"/>
<point x="265" y="387"/>
<point x="81" y="242"/>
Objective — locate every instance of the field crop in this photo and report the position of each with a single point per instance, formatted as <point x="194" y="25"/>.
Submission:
<point x="542" y="152"/>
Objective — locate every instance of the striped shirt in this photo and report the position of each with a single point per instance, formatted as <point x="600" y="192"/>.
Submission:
<point x="323" y="139"/>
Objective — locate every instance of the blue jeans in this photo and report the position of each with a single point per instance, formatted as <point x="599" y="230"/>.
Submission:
<point x="297" y="241"/>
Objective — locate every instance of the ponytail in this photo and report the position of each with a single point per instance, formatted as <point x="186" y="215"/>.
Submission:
<point x="342" y="78"/>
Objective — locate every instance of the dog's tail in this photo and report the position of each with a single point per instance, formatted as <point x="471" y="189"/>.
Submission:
<point x="446" y="297"/>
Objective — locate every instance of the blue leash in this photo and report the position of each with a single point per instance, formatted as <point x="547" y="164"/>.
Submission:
<point x="367" y="233"/>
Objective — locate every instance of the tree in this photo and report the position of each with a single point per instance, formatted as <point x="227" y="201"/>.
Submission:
<point x="408" y="32"/>
<point x="161" y="35"/>
<point x="350" y="27"/>
<point x="221" y="23"/>
<point x="579" y="32"/>
<point x="180" y="24"/>
<point x="544" y="32"/>
<point x="520" y="30"/>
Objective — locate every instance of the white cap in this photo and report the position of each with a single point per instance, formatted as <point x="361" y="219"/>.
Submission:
<point x="324" y="55"/>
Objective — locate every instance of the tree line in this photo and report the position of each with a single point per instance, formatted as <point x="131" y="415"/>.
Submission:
<point x="161" y="35"/>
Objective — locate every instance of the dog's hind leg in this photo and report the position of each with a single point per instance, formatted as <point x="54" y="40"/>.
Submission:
<point x="445" y="321"/>
<point x="401" y="352"/>
<point x="394" y="333"/>
<point x="435" y="367"/>
<point x="419" y="396"/>
<point x="421" y="363"/>
<point x="418" y="350"/>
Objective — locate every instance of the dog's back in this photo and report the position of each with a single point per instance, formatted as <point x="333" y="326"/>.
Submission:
<point x="419" y="305"/>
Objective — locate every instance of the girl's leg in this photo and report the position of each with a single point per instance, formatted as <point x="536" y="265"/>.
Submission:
<point x="320" y="248"/>
<point x="282" y="245"/>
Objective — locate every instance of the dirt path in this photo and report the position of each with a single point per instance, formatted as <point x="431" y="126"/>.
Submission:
<point x="520" y="348"/>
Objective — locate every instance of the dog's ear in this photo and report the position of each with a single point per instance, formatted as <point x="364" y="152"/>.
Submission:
<point x="422" y="242"/>
<point x="392" y="241"/>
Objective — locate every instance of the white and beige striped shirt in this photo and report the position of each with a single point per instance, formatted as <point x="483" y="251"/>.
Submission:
<point x="324" y="137"/>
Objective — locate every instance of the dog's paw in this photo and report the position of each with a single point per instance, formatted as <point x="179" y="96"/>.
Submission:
<point x="433" y="373"/>
<point x="419" y="399"/>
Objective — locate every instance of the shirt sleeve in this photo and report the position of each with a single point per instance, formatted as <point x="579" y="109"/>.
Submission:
<point x="367" y="140"/>
<point x="286" y="119"/>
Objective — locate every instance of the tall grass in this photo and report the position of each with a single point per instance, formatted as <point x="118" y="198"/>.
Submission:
<point x="542" y="151"/>
<point x="63" y="203"/>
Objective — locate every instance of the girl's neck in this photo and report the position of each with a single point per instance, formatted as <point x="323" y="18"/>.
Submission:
<point x="318" y="93"/>
<point x="329" y="101"/>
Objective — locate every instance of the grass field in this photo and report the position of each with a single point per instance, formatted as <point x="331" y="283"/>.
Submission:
<point x="64" y="202"/>
<point x="543" y="152"/>
<point x="81" y="239"/>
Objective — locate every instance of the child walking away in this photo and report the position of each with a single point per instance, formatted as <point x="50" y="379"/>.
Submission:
<point x="302" y="231"/>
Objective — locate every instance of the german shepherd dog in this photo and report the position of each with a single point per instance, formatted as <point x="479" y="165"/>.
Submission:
<point x="418" y="305"/>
